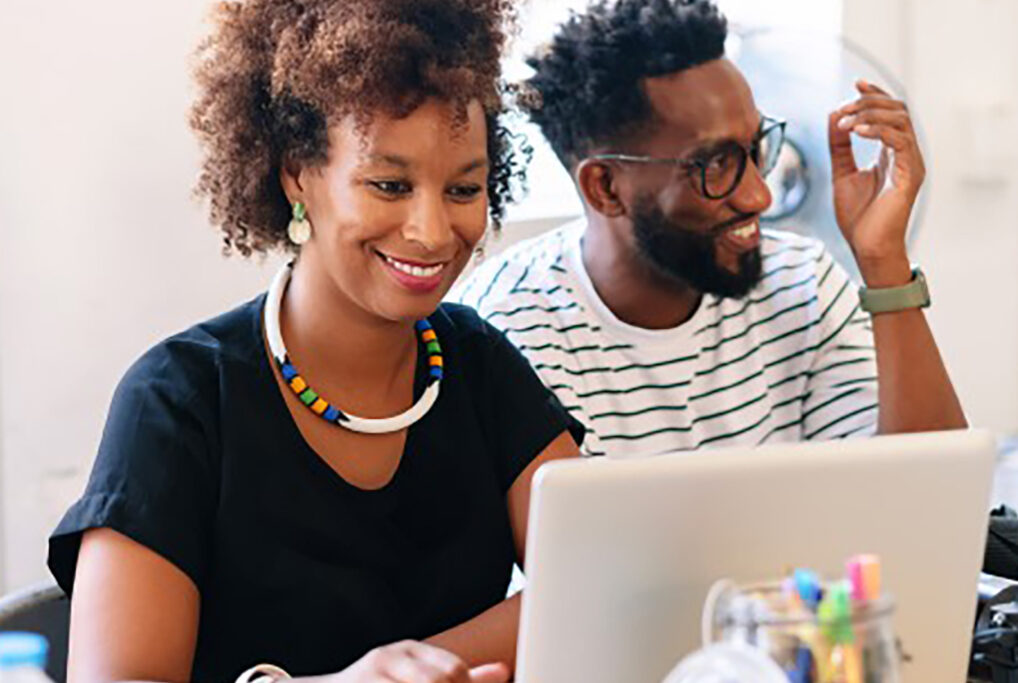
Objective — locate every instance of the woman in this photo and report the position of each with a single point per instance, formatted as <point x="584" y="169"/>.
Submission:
<point x="342" y="462"/>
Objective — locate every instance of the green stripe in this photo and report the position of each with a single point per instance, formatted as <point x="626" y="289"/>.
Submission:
<point x="849" y="382"/>
<point x="735" y="433"/>
<point x="762" y="321"/>
<point x="308" y="397"/>
<point x="546" y="326"/>
<point x="718" y="390"/>
<point x="750" y="302"/>
<point x="624" y="368"/>
<point x="841" y="419"/>
<point x="833" y="366"/>
<point x="491" y="284"/>
<point x="850" y="432"/>
<point x="823" y="278"/>
<point x="617" y="392"/>
<point x="664" y="430"/>
<point x="535" y="307"/>
<point x="573" y="350"/>
<point x="636" y="413"/>
<point x="833" y="399"/>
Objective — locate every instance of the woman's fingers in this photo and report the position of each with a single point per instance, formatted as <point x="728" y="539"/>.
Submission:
<point x="490" y="673"/>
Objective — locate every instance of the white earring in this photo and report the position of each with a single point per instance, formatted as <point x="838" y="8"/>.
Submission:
<point x="299" y="230"/>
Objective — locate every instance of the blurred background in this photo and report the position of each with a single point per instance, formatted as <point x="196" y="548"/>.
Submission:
<point x="103" y="251"/>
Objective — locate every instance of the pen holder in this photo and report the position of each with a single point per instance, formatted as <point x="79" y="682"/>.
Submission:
<point x="857" y="646"/>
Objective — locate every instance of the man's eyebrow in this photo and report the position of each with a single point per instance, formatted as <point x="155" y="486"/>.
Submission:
<point x="711" y="145"/>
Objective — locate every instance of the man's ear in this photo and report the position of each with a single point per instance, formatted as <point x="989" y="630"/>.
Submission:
<point x="598" y="183"/>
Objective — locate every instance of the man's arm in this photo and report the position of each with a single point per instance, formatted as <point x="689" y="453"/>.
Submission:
<point x="873" y="207"/>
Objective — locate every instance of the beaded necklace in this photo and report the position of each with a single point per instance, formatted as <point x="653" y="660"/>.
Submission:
<point x="323" y="408"/>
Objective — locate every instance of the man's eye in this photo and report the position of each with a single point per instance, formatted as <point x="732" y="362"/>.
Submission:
<point x="718" y="164"/>
<point x="392" y="187"/>
<point x="465" y="192"/>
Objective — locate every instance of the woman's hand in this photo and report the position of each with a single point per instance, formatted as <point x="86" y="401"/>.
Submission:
<point x="412" y="662"/>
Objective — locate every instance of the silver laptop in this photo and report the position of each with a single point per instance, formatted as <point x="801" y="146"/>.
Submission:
<point x="621" y="553"/>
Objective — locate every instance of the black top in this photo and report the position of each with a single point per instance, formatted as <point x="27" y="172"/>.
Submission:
<point x="201" y="462"/>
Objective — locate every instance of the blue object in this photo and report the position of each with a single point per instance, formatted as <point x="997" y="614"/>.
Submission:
<point x="331" y="413"/>
<point x="803" y="669"/>
<point x="807" y="583"/>
<point x="22" y="649"/>
<point x="288" y="371"/>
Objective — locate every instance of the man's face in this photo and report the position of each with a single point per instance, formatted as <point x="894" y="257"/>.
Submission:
<point x="712" y="245"/>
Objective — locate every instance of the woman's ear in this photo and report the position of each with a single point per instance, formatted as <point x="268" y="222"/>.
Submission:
<point x="598" y="185"/>
<point x="290" y="177"/>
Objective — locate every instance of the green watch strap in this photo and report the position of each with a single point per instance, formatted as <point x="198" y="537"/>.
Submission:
<point x="889" y="299"/>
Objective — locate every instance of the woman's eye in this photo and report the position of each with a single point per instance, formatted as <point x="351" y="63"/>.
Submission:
<point x="464" y="192"/>
<point x="396" y="188"/>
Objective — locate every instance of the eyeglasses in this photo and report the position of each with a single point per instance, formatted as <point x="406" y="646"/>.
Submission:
<point x="722" y="168"/>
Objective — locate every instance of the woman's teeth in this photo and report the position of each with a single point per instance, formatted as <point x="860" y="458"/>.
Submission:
<point x="747" y="231"/>
<point x="416" y="271"/>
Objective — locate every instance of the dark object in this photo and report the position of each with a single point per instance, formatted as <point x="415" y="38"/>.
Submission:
<point x="43" y="609"/>
<point x="1001" y="558"/>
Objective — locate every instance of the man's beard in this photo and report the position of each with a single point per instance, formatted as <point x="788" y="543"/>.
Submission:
<point x="690" y="256"/>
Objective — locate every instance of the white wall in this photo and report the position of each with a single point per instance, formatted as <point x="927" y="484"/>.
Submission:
<point x="960" y="65"/>
<point x="102" y="251"/>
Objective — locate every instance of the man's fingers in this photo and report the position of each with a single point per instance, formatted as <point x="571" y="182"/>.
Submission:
<point x="872" y="102"/>
<point x="490" y="673"/>
<point x="865" y="87"/>
<point x="893" y="118"/>
<point x="892" y="137"/>
<point x="840" y="141"/>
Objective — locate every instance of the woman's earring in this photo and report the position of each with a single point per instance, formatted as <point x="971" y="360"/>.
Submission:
<point x="299" y="229"/>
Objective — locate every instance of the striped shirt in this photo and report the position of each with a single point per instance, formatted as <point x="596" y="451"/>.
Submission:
<point x="794" y="360"/>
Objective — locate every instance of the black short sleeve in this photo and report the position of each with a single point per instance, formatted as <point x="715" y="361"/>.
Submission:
<point x="523" y="415"/>
<point x="152" y="479"/>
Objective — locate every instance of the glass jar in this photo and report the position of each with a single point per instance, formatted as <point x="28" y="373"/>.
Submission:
<point x="857" y="646"/>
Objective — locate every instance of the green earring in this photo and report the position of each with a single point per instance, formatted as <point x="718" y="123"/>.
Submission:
<point x="299" y="229"/>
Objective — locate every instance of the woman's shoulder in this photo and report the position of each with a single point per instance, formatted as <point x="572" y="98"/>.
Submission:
<point x="191" y="360"/>
<point x="463" y="323"/>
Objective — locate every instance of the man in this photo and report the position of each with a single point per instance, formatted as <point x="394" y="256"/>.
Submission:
<point x="665" y="320"/>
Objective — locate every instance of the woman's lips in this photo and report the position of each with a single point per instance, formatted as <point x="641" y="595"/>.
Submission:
<point x="414" y="275"/>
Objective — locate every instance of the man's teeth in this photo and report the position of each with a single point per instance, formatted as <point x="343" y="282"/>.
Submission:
<point x="416" y="271"/>
<point x="747" y="231"/>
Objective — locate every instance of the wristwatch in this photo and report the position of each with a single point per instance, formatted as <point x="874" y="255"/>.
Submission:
<point x="889" y="299"/>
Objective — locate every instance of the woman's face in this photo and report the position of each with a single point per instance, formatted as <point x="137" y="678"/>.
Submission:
<point x="398" y="209"/>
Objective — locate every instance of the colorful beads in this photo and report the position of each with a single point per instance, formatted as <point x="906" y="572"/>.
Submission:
<point x="331" y="413"/>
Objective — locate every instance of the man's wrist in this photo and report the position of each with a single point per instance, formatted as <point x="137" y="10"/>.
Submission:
<point x="880" y="272"/>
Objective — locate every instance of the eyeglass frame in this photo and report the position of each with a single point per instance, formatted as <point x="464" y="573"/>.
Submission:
<point x="767" y="126"/>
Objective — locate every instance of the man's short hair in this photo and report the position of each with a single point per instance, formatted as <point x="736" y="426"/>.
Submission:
<point x="588" y="80"/>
